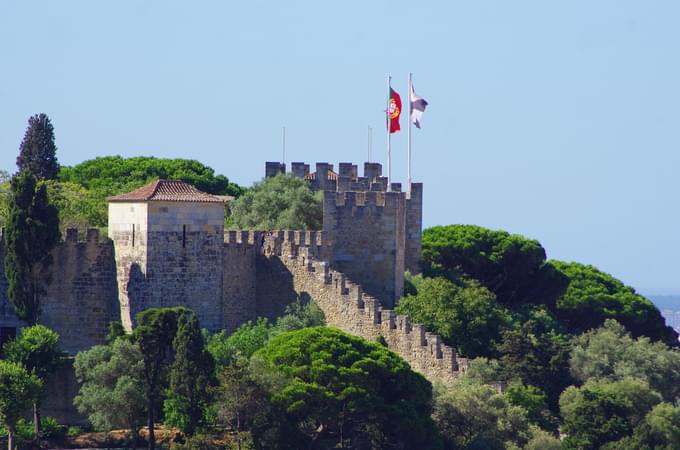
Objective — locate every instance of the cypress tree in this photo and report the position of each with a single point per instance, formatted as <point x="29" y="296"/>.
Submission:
<point x="38" y="153"/>
<point x="32" y="232"/>
<point x="191" y="375"/>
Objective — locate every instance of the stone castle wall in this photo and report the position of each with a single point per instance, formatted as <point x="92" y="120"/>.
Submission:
<point x="240" y="279"/>
<point x="350" y="309"/>
<point x="367" y="232"/>
<point x="81" y="297"/>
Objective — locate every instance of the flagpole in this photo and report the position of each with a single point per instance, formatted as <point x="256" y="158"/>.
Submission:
<point x="284" y="145"/>
<point x="389" y="134"/>
<point x="410" y="106"/>
<point x="370" y="142"/>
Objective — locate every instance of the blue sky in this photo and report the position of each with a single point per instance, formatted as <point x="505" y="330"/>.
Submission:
<point x="555" y="120"/>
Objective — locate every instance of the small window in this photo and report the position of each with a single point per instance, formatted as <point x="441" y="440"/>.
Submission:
<point x="164" y="209"/>
<point x="133" y="234"/>
<point x="184" y="235"/>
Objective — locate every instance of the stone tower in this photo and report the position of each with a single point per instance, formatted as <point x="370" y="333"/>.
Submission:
<point x="374" y="230"/>
<point x="168" y="239"/>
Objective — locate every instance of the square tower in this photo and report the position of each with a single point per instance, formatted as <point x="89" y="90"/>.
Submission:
<point x="168" y="239"/>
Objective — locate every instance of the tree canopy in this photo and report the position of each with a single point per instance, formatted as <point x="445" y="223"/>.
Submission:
<point x="112" y="387"/>
<point x="466" y="316"/>
<point x="344" y="390"/>
<point x="283" y="202"/>
<point x="81" y="190"/>
<point x="38" y="152"/>
<point x="511" y="266"/>
<point x="601" y="411"/>
<point x="594" y="296"/>
<point x="18" y="390"/>
<point x="114" y="174"/>
<point x="610" y="353"/>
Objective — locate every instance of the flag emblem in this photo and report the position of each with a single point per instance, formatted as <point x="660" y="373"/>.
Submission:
<point x="418" y="105"/>
<point x="394" y="111"/>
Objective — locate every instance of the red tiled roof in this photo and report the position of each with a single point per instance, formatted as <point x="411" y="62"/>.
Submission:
<point x="167" y="191"/>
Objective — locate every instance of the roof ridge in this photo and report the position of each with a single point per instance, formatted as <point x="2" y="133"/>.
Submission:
<point x="156" y="184"/>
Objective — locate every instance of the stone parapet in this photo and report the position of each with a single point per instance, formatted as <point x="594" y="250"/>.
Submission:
<point x="350" y="309"/>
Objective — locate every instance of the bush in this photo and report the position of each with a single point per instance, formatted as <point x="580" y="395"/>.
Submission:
<point x="74" y="431"/>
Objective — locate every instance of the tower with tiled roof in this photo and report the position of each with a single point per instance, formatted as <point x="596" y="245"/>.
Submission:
<point x="168" y="239"/>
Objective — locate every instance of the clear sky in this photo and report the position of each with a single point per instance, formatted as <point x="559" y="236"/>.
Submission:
<point x="556" y="120"/>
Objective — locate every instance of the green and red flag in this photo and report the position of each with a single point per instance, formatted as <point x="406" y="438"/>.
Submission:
<point x="393" y="112"/>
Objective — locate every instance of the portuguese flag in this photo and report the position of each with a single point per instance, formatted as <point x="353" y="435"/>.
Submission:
<point x="394" y="111"/>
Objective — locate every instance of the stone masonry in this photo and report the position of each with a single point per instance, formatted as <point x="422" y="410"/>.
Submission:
<point x="167" y="246"/>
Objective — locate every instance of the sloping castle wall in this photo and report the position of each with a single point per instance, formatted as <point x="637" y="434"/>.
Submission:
<point x="347" y="307"/>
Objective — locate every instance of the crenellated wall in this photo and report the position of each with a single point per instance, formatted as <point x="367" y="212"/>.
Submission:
<point x="350" y="309"/>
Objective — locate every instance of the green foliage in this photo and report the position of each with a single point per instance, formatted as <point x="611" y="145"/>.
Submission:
<point x="660" y="430"/>
<point x="252" y="336"/>
<point x="610" y="353"/>
<point x="245" y="341"/>
<point x="601" y="412"/>
<point x="511" y="266"/>
<point x="23" y="435"/>
<point x="534" y="402"/>
<point x="483" y="371"/>
<point x="32" y="232"/>
<point x="197" y="442"/>
<point x="37" y="348"/>
<point x="5" y="192"/>
<point x="155" y="331"/>
<point x="18" y="390"/>
<point x="542" y="440"/>
<point x="537" y="357"/>
<point x="465" y="316"/>
<point x="242" y="401"/>
<point x="73" y="431"/>
<point x="112" y="386"/>
<point x="594" y="296"/>
<point x="115" y="330"/>
<point x="191" y="376"/>
<point x="77" y="206"/>
<point x="300" y="314"/>
<point x="38" y="153"/>
<point x="340" y="389"/>
<point x="474" y="416"/>
<point x="115" y="174"/>
<point x="283" y="202"/>
<point x="82" y="189"/>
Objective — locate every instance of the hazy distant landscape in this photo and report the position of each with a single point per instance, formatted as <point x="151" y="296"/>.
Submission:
<point x="669" y="305"/>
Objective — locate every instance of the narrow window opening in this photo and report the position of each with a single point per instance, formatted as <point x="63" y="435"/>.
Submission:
<point x="184" y="236"/>
<point x="133" y="234"/>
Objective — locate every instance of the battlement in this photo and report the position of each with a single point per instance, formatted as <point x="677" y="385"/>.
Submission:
<point x="347" y="177"/>
<point x="347" y="307"/>
<point x="73" y="235"/>
<point x="88" y="235"/>
<point x="352" y="199"/>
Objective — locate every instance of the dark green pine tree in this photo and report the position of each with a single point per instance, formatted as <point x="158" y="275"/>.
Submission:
<point x="32" y="232"/>
<point x="191" y="375"/>
<point x="38" y="153"/>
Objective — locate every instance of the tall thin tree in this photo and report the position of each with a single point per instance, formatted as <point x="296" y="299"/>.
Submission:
<point x="38" y="153"/>
<point x="32" y="232"/>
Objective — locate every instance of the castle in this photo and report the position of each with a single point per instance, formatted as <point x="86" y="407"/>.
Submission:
<point x="167" y="246"/>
